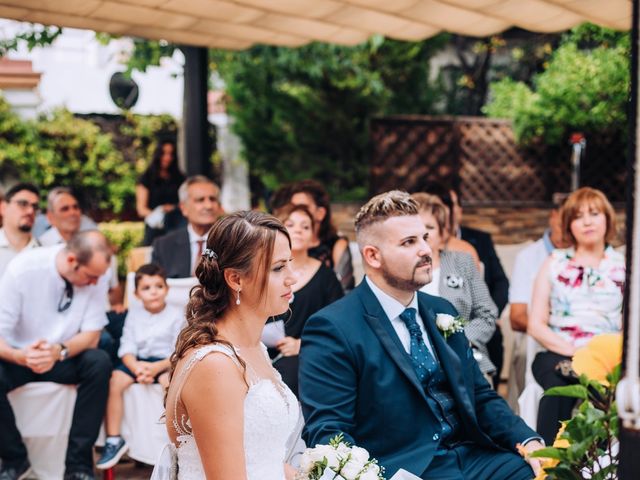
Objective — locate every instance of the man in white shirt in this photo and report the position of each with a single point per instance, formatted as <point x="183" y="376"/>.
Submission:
<point x="381" y="367"/>
<point x="179" y="251"/>
<point x="66" y="219"/>
<point x="51" y="315"/>
<point x="525" y="269"/>
<point x="18" y="210"/>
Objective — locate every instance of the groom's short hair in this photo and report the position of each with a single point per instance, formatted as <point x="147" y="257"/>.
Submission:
<point x="394" y="203"/>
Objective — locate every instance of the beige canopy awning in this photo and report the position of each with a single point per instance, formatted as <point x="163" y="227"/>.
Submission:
<point x="239" y="24"/>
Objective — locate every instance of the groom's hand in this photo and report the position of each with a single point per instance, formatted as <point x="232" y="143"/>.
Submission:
<point x="531" y="447"/>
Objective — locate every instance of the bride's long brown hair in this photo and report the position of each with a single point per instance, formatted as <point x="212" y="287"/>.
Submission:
<point x="243" y="242"/>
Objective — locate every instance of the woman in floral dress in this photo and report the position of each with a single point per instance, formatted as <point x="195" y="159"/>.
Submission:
<point x="577" y="294"/>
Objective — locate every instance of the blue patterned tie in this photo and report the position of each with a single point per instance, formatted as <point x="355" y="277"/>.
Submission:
<point x="423" y="362"/>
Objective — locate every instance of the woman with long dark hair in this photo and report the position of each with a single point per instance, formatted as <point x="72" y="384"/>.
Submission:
<point x="316" y="287"/>
<point x="229" y="415"/>
<point x="157" y="192"/>
<point x="327" y="244"/>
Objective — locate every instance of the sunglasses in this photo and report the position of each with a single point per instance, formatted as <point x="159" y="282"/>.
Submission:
<point x="66" y="298"/>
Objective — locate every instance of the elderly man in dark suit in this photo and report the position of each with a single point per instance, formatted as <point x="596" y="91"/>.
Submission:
<point x="381" y="366"/>
<point x="179" y="251"/>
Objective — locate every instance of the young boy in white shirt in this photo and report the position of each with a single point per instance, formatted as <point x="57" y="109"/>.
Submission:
<point x="148" y="340"/>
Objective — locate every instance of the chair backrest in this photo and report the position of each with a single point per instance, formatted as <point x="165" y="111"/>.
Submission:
<point x="178" y="296"/>
<point x="137" y="257"/>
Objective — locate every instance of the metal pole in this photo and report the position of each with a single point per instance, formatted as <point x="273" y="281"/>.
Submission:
<point x="197" y="143"/>
<point x="628" y="393"/>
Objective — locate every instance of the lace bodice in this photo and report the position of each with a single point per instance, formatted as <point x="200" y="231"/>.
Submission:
<point x="271" y="418"/>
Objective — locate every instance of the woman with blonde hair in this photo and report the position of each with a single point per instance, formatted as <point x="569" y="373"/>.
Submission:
<point x="229" y="415"/>
<point x="577" y="294"/>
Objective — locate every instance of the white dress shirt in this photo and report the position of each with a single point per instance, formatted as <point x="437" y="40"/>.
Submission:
<point x="393" y="308"/>
<point x="194" y="238"/>
<point x="8" y="253"/>
<point x="147" y="334"/>
<point x="31" y="289"/>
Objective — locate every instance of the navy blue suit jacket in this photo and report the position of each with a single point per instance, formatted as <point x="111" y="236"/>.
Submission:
<point x="173" y="253"/>
<point x="356" y="378"/>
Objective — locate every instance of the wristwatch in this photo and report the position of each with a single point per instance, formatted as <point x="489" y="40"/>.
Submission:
<point x="64" y="352"/>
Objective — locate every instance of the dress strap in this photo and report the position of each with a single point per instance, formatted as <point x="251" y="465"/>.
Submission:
<point x="181" y="423"/>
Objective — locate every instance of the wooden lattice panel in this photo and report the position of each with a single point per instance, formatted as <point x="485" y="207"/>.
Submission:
<point x="482" y="156"/>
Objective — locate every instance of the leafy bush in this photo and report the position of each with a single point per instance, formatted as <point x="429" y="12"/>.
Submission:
<point x="585" y="87"/>
<point x="123" y="236"/>
<point x="64" y="150"/>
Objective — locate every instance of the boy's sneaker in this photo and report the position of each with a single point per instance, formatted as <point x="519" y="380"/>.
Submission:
<point x="112" y="454"/>
<point x="15" y="472"/>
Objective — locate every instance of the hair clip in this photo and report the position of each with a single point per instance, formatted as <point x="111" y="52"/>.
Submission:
<point x="207" y="252"/>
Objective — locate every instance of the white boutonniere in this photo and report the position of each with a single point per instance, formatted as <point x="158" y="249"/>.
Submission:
<point x="448" y="324"/>
<point x="454" y="281"/>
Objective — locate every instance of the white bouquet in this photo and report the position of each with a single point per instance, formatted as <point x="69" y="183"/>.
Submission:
<point x="338" y="461"/>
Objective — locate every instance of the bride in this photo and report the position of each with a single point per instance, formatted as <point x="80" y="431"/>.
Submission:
<point x="229" y="415"/>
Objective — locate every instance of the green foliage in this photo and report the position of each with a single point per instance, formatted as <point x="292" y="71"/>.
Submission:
<point x="123" y="236"/>
<point x="61" y="149"/>
<point x="34" y="36"/>
<point x="304" y="112"/>
<point x="64" y="150"/>
<point x="585" y="87"/>
<point x="589" y="437"/>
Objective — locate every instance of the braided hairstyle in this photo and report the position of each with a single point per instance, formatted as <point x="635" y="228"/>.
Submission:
<point x="242" y="241"/>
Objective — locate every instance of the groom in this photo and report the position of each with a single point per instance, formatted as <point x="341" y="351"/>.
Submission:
<point x="375" y="366"/>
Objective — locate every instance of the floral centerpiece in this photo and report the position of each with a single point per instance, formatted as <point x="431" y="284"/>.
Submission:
<point x="338" y="461"/>
<point x="586" y="446"/>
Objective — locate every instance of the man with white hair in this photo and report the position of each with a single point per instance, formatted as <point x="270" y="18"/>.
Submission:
<point x="179" y="251"/>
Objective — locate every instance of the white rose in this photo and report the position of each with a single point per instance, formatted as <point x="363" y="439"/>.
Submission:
<point x="360" y="454"/>
<point x="444" y="321"/>
<point x="371" y="473"/>
<point x="343" y="450"/>
<point x="332" y="456"/>
<point x="307" y="461"/>
<point x="352" y="468"/>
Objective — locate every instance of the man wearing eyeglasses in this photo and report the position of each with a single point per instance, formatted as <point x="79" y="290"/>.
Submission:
<point x="18" y="209"/>
<point x="51" y="315"/>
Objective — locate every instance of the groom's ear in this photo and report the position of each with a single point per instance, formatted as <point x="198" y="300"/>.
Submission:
<point x="371" y="256"/>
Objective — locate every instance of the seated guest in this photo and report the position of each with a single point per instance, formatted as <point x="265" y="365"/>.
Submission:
<point x="525" y="268"/>
<point x="148" y="339"/>
<point x="51" y="335"/>
<point x="18" y="210"/>
<point x="494" y="275"/>
<point x="316" y="287"/>
<point x="577" y="294"/>
<point x="453" y="242"/>
<point x="328" y="245"/>
<point x="455" y="278"/>
<point x="65" y="216"/>
<point x="157" y="188"/>
<point x="178" y="252"/>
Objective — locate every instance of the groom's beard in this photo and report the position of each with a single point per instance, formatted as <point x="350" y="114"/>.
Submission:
<point x="411" y="284"/>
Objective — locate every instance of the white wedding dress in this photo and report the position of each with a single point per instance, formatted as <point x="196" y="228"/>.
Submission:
<point x="272" y="423"/>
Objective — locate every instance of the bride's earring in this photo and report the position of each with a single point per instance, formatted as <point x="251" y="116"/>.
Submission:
<point x="238" y="297"/>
